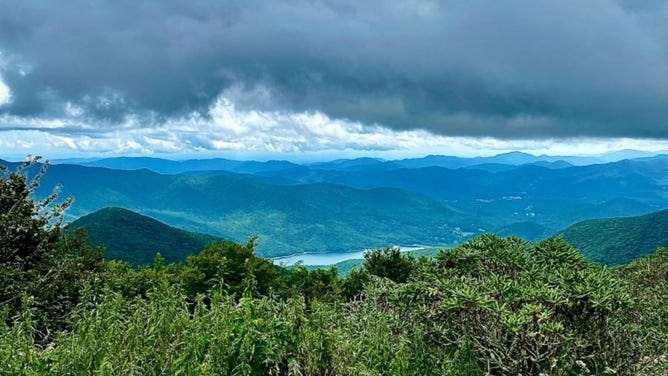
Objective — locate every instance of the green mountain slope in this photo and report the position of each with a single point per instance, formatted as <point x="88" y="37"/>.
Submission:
<point x="619" y="240"/>
<point x="135" y="238"/>
<point x="370" y="203"/>
<point x="553" y="198"/>
<point x="319" y="217"/>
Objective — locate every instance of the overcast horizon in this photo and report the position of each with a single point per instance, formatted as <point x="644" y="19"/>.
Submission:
<point x="318" y="80"/>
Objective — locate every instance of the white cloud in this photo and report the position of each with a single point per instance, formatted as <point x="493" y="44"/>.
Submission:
<point x="247" y="133"/>
<point x="5" y="94"/>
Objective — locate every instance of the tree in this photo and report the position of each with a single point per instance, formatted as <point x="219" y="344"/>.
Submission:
<point x="28" y="229"/>
<point x="38" y="264"/>
<point x="229" y="264"/>
<point x="389" y="263"/>
<point x="313" y="285"/>
<point x="353" y="285"/>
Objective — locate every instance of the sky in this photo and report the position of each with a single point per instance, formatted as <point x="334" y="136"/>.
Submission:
<point x="323" y="79"/>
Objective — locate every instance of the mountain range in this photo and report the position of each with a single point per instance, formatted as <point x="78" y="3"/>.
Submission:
<point x="515" y="158"/>
<point x="135" y="238"/>
<point x="364" y="203"/>
<point x="288" y="219"/>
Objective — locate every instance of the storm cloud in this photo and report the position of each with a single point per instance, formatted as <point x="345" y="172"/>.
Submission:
<point x="516" y="69"/>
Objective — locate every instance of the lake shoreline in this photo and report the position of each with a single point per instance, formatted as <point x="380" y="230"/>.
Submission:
<point x="331" y="258"/>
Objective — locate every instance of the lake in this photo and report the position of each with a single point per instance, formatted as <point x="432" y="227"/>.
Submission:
<point x="333" y="257"/>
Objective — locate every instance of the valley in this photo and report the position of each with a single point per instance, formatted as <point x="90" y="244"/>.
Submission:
<point x="329" y="208"/>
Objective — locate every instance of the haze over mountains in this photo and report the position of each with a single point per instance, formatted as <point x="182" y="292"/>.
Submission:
<point x="167" y="166"/>
<point x="364" y="203"/>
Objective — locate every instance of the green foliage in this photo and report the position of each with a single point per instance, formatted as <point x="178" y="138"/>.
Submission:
<point x="389" y="263"/>
<point x="648" y="286"/>
<point x="37" y="263"/>
<point x="317" y="284"/>
<point x="55" y="286"/>
<point x="229" y="265"/>
<point x="28" y="229"/>
<point x="491" y="306"/>
<point x="523" y="309"/>
<point x="616" y="241"/>
<point x="353" y="285"/>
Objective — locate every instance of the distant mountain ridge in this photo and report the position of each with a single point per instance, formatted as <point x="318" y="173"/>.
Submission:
<point x="552" y="197"/>
<point x="136" y="238"/>
<point x="168" y="166"/>
<point x="519" y="158"/>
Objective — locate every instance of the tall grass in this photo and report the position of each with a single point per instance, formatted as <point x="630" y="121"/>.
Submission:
<point x="165" y="335"/>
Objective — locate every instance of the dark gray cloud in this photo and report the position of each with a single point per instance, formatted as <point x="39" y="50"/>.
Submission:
<point x="511" y="69"/>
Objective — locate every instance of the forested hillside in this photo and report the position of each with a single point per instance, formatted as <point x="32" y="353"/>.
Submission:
<point x="287" y="219"/>
<point x="131" y="237"/>
<point x="492" y="305"/>
<point x="619" y="240"/>
<point x="356" y="204"/>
